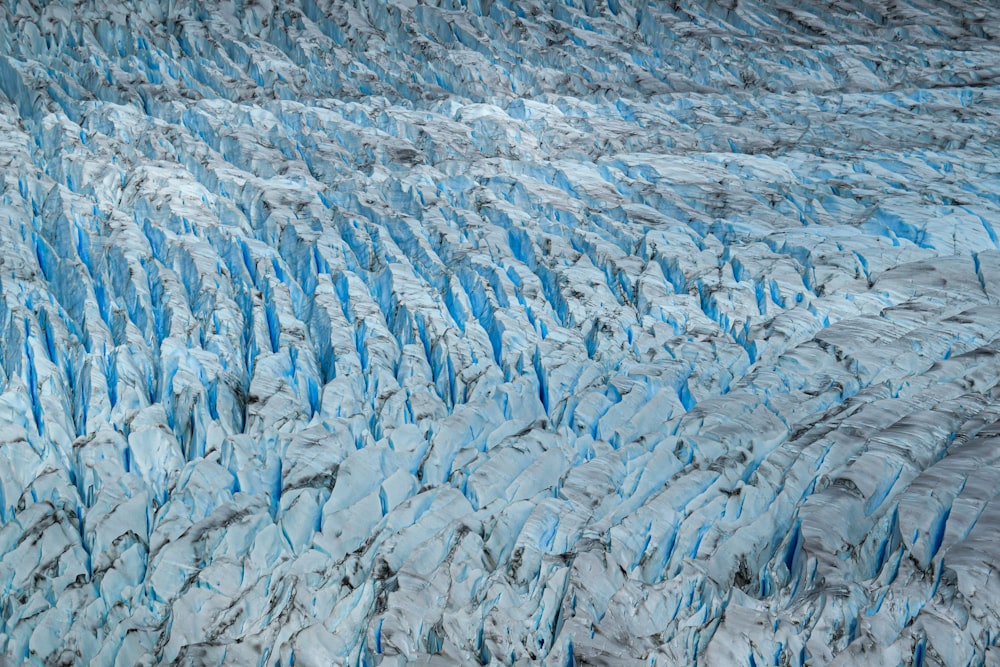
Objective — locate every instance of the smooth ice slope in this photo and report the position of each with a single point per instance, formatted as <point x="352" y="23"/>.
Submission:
<point x="500" y="332"/>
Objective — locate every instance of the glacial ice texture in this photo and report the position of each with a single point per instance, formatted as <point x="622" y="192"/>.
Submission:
<point x="500" y="332"/>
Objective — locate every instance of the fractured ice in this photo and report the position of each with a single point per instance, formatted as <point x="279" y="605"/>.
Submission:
<point x="499" y="332"/>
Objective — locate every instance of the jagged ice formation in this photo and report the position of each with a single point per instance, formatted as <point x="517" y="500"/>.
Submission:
<point x="499" y="332"/>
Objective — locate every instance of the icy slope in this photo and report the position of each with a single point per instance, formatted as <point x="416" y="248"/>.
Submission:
<point x="500" y="332"/>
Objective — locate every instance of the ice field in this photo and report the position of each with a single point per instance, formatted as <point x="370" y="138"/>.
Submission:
<point x="564" y="332"/>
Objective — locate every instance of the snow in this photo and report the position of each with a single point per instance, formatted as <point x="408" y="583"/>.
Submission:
<point x="492" y="332"/>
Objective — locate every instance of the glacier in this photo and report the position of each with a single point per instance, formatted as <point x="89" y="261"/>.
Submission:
<point x="454" y="332"/>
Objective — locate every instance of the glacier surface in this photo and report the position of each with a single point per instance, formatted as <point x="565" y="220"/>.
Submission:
<point x="573" y="332"/>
